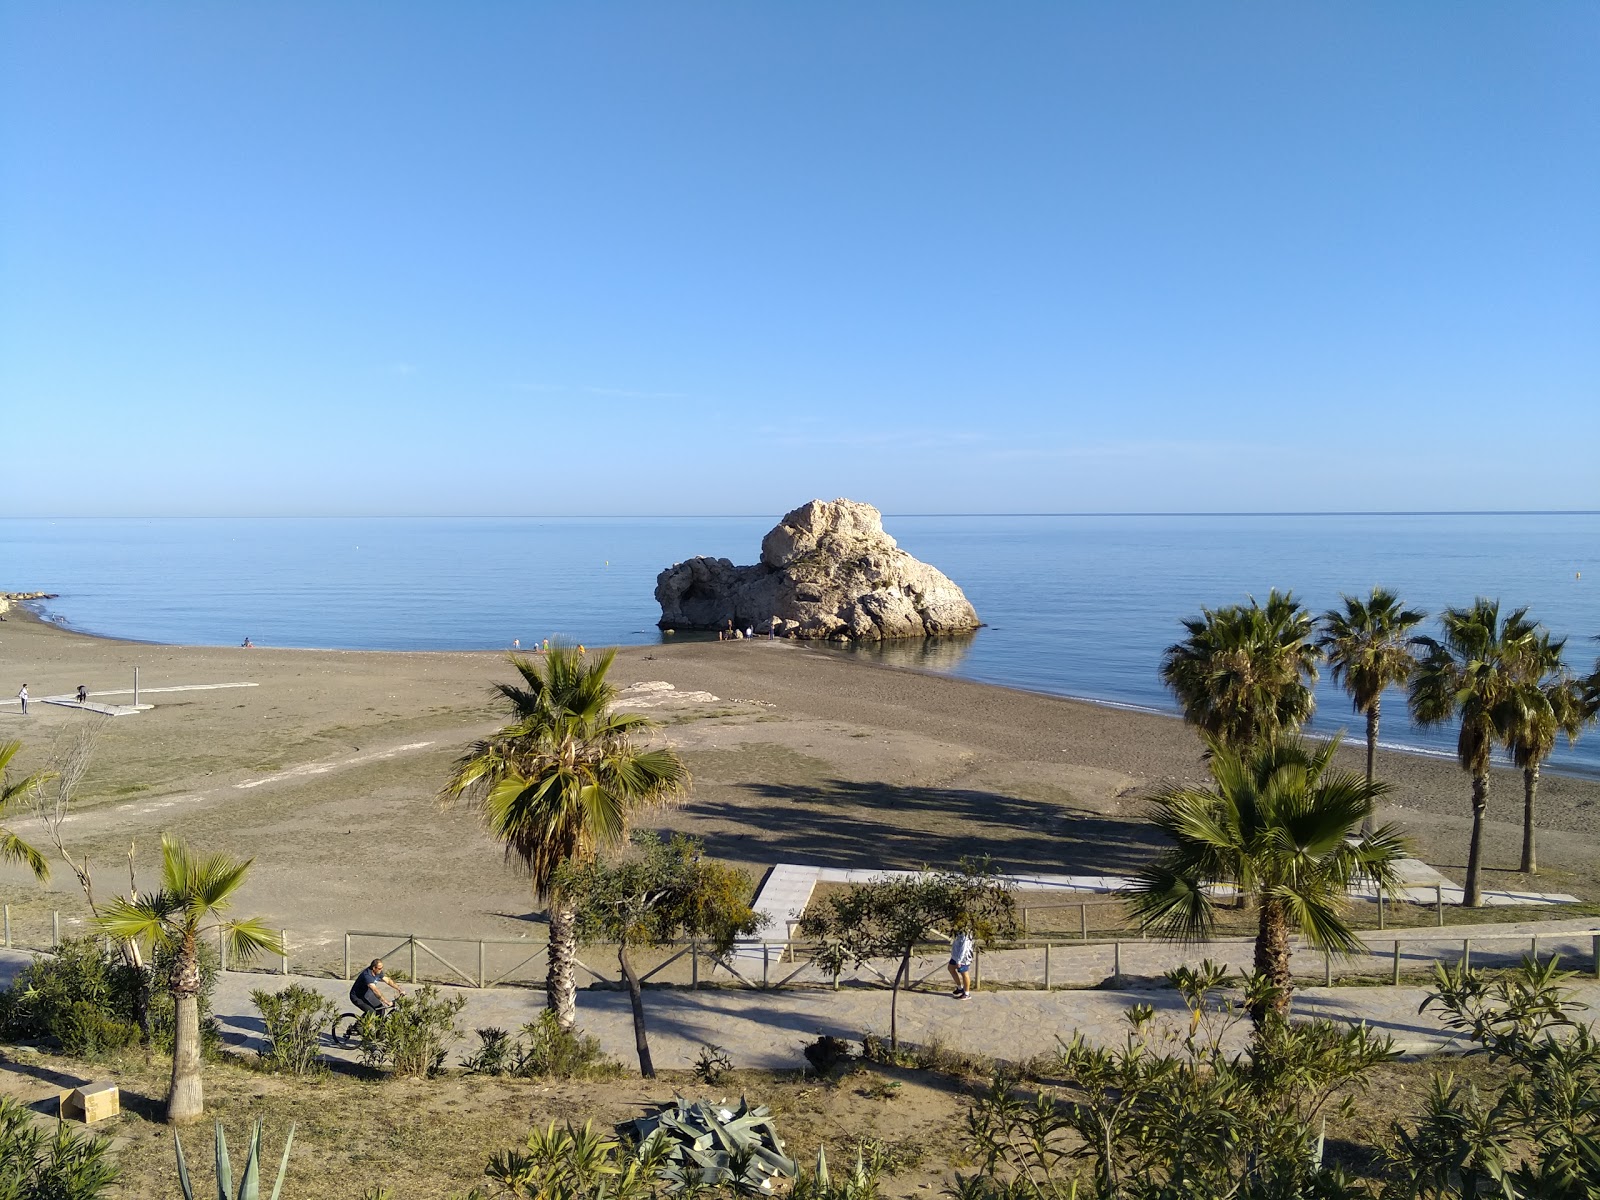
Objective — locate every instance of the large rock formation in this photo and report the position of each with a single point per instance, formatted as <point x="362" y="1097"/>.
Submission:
<point x="826" y="571"/>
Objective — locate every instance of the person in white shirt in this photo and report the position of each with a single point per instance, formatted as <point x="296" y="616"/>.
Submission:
<point x="961" y="964"/>
<point x="23" y="696"/>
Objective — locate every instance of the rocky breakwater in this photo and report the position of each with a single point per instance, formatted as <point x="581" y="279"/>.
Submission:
<point x="9" y="598"/>
<point x="827" y="570"/>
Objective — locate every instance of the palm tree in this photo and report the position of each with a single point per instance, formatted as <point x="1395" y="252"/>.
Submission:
<point x="1551" y="703"/>
<point x="1471" y="675"/>
<point x="1243" y="673"/>
<point x="193" y="891"/>
<point x="561" y="780"/>
<point x="1277" y="826"/>
<point x="1366" y="647"/>
<point x="13" y="794"/>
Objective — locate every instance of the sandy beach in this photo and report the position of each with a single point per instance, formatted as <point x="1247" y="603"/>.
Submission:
<point x="326" y="771"/>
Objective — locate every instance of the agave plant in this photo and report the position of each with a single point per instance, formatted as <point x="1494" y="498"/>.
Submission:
<point x="250" y="1181"/>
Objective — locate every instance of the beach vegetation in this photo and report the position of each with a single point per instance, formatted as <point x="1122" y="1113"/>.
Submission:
<point x="662" y="893"/>
<point x="543" y="1050"/>
<point x="416" y="1034"/>
<point x="292" y="1021"/>
<point x="250" y="1182"/>
<point x="1551" y="703"/>
<point x="1476" y="675"/>
<point x="194" y="897"/>
<point x="1280" y="828"/>
<point x="59" y="1164"/>
<point x="1243" y="674"/>
<point x="561" y="780"/>
<point x="15" y="794"/>
<point x="889" y="917"/>
<point x="1368" y="648"/>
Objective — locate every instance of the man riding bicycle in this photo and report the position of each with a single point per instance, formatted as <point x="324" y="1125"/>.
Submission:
<point x="364" y="991"/>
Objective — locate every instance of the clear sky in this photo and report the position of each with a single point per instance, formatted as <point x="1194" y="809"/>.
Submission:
<point x="521" y="258"/>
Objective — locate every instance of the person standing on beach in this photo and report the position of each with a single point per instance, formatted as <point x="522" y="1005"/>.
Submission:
<point x="960" y="964"/>
<point x="772" y="630"/>
<point x="23" y="696"/>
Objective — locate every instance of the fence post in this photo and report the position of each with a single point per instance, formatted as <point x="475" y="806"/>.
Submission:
<point x="1024" y="919"/>
<point x="347" y="956"/>
<point x="1380" y="908"/>
<point x="975" y="956"/>
<point x="55" y="929"/>
<point x="8" y="927"/>
<point x="694" y="963"/>
<point x="1536" y="947"/>
<point x="480" y="962"/>
<point x="411" y="940"/>
<point x="1396" y="962"/>
<point x="1116" y="969"/>
<point x="1438" y="901"/>
<point x="1327" y="967"/>
<point x="1083" y="921"/>
<point x="1466" y="954"/>
<point x="1047" y="966"/>
<point x="283" y="940"/>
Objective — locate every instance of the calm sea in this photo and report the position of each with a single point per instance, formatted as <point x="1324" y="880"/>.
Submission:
<point x="1076" y="605"/>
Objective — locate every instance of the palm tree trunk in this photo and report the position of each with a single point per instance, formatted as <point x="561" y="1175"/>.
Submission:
<point x="560" y="985"/>
<point x="1530" y="790"/>
<point x="1480" y="802"/>
<point x="1272" y="961"/>
<point x="641" y="1039"/>
<point x="1370" y="822"/>
<point x="186" y="1097"/>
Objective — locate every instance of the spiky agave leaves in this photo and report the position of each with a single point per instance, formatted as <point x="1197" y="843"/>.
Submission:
<point x="249" y="1181"/>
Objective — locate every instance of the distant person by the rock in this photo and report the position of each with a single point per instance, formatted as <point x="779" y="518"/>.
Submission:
<point x="247" y="644"/>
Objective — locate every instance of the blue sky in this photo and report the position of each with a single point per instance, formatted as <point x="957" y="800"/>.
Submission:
<point x="721" y="258"/>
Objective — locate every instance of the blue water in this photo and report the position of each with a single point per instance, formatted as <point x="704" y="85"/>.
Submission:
<point x="1075" y="605"/>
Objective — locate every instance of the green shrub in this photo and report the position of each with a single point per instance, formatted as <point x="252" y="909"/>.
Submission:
<point x="552" y="1052"/>
<point x="88" y="1030"/>
<point x="494" y="1055"/>
<point x="293" y="1020"/>
<point x="72" y="998"/>
<point x="416" y="1035"/>
<point x="36" y="1165"/>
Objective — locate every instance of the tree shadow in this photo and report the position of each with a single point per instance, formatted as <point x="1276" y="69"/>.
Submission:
<point x="844" y="823"/>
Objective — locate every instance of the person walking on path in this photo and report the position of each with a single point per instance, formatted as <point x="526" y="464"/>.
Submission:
<point x="23" y="696"/>
<point x="83" y="694"/>
<point x="960" y="965"/>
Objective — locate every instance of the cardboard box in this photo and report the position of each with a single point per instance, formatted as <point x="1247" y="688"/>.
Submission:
<point x="93" y="1102"/>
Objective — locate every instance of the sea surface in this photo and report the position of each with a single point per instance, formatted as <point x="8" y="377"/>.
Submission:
<point x="1076" y="605"/>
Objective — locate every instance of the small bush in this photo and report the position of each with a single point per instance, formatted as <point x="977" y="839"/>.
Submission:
<point x="495" y="1054"/>
<point x="416" y="1035"/>
<point x="827" y="1052"/>
<point x="88" y="1030"/>
<point x="556" y="1053"/>
<point x="293" y="1019"/>
<point x="712" y="1064"/>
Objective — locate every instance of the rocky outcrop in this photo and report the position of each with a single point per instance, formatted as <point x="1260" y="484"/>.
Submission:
<point x="826" y="571"/>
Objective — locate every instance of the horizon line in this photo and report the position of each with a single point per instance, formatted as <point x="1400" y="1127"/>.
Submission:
<point x="337" y="516"/>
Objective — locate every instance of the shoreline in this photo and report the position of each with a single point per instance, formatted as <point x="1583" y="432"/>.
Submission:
<point x="33" y="615"/>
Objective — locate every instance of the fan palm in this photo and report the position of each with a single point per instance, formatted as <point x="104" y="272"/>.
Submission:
<point x="13" y="794"/>
<point x="1551" y="703"/>
<point x="194" y="895"/>
<point x="1278" y="827"/>
<point x="1367" y="651"/>
<point x="1243" y="673"/>
<point x="561" y="780"/>
<point x="1471" y="676"/>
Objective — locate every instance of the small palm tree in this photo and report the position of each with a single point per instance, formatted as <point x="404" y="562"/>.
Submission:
<point x="14" y="793"/>
<point x="1471" y="675"/>
<point x="1367" y="650"/>
<point x="1551" y="702"/>
<point x="195" y="892"/>
<point x="1243" y="674"/>
<point x="561" y="780"/>
<point x="1279" y="827"/>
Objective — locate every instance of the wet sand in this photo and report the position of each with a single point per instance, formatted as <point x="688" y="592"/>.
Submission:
<point x="327" y="772"/>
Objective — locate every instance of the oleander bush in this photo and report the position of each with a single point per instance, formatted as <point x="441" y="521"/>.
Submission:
<point x="36" y="1164"/>
<point x="293" y="1019"/>
<point x="415" y="1036"/>
<point x="543" y="1050"/>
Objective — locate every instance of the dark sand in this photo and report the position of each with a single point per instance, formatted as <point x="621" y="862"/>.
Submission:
<point x="327" y="772"/>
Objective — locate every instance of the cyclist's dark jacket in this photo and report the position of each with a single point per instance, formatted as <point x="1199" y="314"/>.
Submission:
<point x="363" y="988"/>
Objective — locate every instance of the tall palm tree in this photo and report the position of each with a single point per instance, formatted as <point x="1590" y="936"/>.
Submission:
<point x="1277" y="826"/>
<point x="560" y="781"/>
<point x="14" y="793"/>
<point x="1471" y="676"/>
<point x="1551" y="702"/>
<point x="1367" y="649"/>
<point x="193" y="892"/>
<point x="1243" y="674"/>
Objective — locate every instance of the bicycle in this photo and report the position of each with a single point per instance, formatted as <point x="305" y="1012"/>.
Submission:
<point x="351" y="1021"/>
